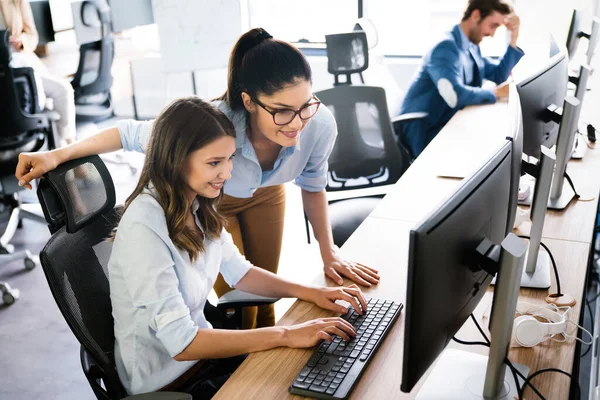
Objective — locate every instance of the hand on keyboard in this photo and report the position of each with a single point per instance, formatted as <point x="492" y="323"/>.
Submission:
<point x="309" y="334"/>
<point x="325" y="297"/>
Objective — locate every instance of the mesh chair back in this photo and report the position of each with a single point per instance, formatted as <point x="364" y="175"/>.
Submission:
<point x="93" y="79"/>
<point x="19" y="129"/>
<point x="365" y="152"/>
<point x="78" y="202"/>
<point x="93" y="74"/>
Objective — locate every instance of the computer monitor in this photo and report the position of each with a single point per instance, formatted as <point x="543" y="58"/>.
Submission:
<point x="545" y="88"/>
<point x="42" y="18"/>
<point x="574" y="32"/>
<point x="130" y="14"/>
<point x="448" y="276"/>
<point x="593" y="39"/>
<point x="515" y="135"/>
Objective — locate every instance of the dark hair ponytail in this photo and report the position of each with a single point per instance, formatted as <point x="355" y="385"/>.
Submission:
<point x="259" y="64"/>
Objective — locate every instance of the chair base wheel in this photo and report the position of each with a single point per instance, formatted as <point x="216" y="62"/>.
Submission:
<point x="9" y="295"/>
<point x="29" y="264"/>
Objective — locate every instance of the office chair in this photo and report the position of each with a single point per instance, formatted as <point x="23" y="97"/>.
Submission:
<point x="400" y="135"/>
<point x="81" y="214"/>
<point x="379" y="75"/>
<point x="93" y="79"/>
<point x="365" y="154"/>
<point x="23" y="127"/>
<point x="347" y="54"/>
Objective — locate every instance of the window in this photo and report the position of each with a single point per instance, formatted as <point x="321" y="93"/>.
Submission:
<point x="410" y="28"/>
<point x="404" y="27"/>
<point x="306" y="20"/>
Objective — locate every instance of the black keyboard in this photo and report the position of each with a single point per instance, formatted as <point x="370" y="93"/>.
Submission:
<point x="335" y="367"/>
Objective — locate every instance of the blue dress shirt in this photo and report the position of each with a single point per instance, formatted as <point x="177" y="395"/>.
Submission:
<point x="449" y="79"/>
<point x="305" y="164"/>
<point x="158" y="294"/>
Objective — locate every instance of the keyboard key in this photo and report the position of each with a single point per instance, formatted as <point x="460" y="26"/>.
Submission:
<point x="301" y="385"/>
<point x="313" y="360"/>
<point x="330" y="390"/>
<point x="318" y="388"/>
<point x="332" y="348"/>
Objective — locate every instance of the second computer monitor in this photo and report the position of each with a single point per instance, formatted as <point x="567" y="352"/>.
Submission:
<point x="445" y="280"/>
<point x="546" y="87"/>
<point x="574" y="33"/>
<point x="515" y="135"/>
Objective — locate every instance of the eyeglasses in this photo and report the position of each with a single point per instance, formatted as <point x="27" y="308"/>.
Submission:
<point x="284" y="116"/>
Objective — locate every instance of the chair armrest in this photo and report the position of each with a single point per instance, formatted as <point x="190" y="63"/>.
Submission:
<point x="160" y="396"/>
<point x="238" y="299"/>
<point x="52" y="115"/>
<point x="409" y="116"/>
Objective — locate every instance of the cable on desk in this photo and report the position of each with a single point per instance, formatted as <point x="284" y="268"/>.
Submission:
<point x="510" y="365"/>
<point x="512" y="368"/>
<point x="558" y="291"/>
<point x="541" y="371"/>
<point x="527" y="380"/>
<point x="568" y="178"/>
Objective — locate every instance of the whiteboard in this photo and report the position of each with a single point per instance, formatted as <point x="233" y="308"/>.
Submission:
<point x="196" y="34"/>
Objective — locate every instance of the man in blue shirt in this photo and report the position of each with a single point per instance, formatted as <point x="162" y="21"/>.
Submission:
<point x="453" y="71"/>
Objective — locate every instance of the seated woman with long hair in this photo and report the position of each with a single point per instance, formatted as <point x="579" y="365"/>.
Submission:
<point x="169" y="247"/>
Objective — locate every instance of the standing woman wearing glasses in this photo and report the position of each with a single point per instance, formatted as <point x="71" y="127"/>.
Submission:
<point x="283" y="134"/>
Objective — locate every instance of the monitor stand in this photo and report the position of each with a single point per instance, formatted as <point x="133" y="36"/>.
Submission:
<point x="540" y="278"/>
<point x="559" y="203"/>
<point x="460" y="375"/>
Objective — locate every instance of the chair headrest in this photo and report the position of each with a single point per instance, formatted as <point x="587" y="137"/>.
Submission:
<point x="76" y="193"/>
<point x="92" y="9"/>
<point x="347" y="52"/>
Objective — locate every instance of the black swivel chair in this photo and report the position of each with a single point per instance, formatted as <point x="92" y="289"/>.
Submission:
<point x="348" y="53"/>
<point x="93" y="79"/>
<point x="23" y="127"/>
<point x="78" y="200"/>
<point x="365" y="154"/>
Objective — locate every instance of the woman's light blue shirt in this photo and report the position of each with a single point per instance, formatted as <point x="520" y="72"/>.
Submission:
<point x="158" y="295"/>
<point x="305" y="163"/>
